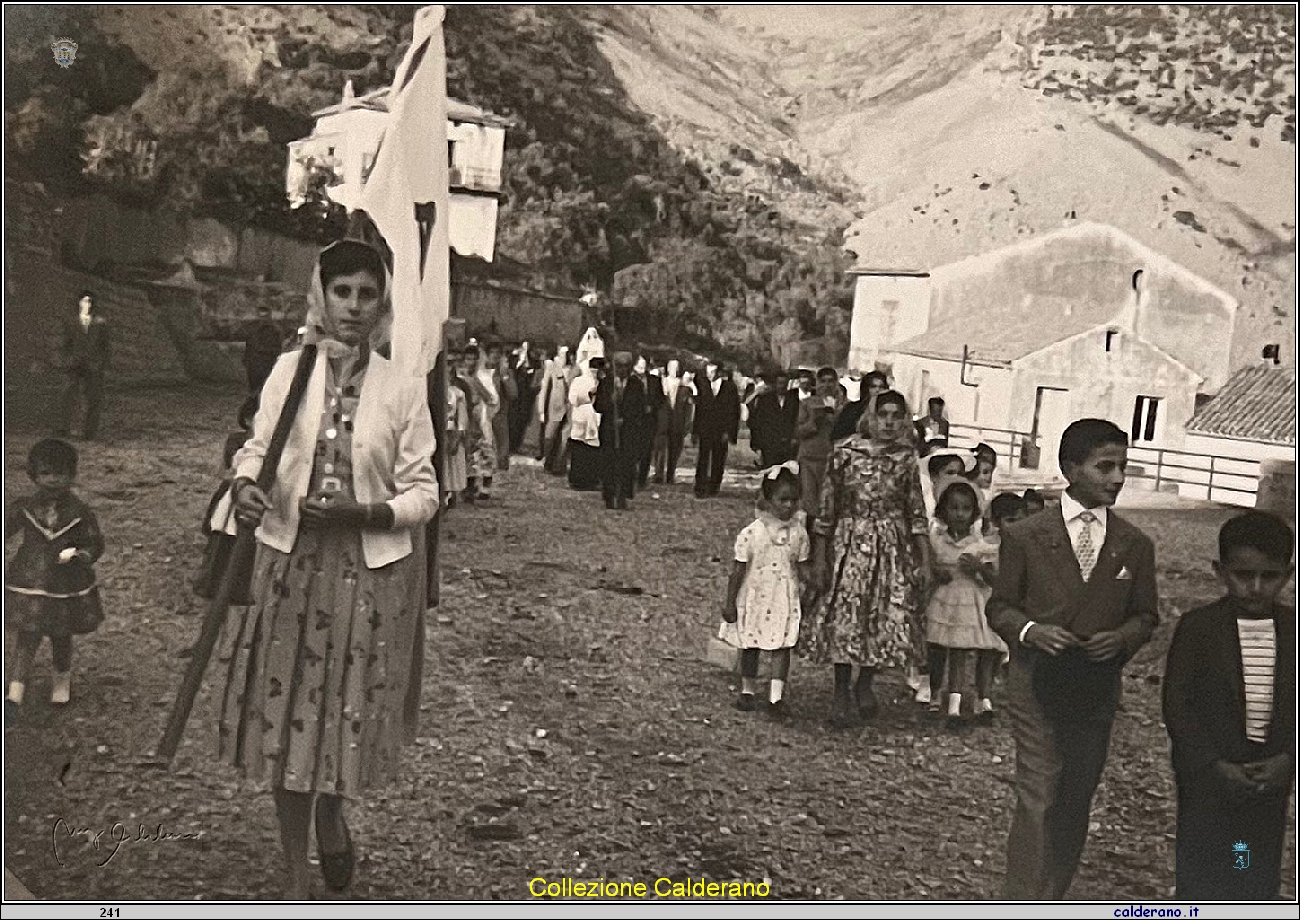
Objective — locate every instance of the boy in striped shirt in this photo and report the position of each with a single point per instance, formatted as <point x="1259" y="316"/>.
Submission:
<point x="1229" y="706"/>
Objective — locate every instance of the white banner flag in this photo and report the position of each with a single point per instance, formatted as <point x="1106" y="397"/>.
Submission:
<point x="406" y="195"/>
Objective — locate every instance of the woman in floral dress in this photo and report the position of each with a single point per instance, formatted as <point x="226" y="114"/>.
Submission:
<point x="323" y="687"/>
<point x="871" y="554"/>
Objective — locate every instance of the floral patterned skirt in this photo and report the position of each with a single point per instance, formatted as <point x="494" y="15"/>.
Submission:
<point x="870" y="615"/>
<point x="323" y="683"/>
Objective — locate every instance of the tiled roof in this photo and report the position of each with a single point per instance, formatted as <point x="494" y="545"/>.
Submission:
<point x="1008" y="331"/>
<point x="1257" y="404"/>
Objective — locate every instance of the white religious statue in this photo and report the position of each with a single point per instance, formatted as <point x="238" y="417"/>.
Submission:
<point x="591" y="346"/>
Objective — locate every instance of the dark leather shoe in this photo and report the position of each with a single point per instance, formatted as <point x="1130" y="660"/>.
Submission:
<point x="747" y="702"/>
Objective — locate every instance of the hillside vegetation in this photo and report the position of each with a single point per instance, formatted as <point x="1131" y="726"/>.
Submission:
<point x="706" y="166"/>
<point x="591" y="187"/>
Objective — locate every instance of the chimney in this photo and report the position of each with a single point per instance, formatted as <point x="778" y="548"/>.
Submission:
<point x="349" y="96"/>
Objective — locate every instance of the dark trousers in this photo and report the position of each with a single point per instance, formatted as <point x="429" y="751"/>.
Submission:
<point x="1058" y="766"/>
<point x="521" y="414"/>
<point x="709" y="466"/>
<point x="667" y="452"/>
<point x="618" y="469"/>
<point x="501" y="436"/>
<point x="645" y="455"/>
<point x="1209" y="827"/>
<point x="91" y="386"/>
<point x="555" y="443"/>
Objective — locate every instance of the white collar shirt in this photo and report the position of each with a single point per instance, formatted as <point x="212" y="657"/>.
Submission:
<point x="1071" y="511"/>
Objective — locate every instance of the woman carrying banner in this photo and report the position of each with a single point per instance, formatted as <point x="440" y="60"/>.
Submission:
<point x="323" y="688"/>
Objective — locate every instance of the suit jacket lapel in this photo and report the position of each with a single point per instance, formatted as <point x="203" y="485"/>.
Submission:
<point x="1111" y="558"/>
<point x="1229" y="646"/>
<point x="1064" y="564"/>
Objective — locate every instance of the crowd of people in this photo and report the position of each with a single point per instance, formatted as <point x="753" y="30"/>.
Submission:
<point x="875" y="545"/>
<point x="890" y="573"/>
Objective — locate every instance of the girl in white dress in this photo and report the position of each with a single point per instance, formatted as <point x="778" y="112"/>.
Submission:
<point x="957" y="630"/>
<point x="762" y="608"/>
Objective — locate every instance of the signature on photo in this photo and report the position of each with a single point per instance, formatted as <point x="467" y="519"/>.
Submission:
<point x="109" y="840"/>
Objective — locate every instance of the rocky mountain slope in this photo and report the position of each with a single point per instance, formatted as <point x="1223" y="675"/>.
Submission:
<point x="917" y="134"/>
<point x="961" y="129"/>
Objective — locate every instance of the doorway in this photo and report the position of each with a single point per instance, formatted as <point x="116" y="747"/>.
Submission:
<point x="1051" y="416"/>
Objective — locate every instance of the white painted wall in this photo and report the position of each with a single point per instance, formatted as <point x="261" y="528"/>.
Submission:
<point x="473" y="226"/>
<point x="868" y="336"/>
<point x="919" y="378"/>
<point x="478" y="147"/>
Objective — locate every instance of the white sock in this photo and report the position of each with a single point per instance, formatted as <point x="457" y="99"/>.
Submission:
<point x="61" y="692"/>
<point x="777" y="691"/>
<point x="954" y="704"/>
<point x="747" y="685"/>
<point x="16" y="689"/>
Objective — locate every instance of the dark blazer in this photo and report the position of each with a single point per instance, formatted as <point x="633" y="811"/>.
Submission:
<point x="681" y="411"/>
<point x="846" y="423"/>
<point x="654" y="397"/>
<point x="1205" y="696"/>
<point x="623" y="423"/>
<point x="1039" y="579"/>
<point x="717" y="416"/>
<point x="86" y="349"/>
<point x="772" y="419"/>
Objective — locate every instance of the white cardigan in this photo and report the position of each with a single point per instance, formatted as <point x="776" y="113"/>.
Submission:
<point x="392" y="454"/>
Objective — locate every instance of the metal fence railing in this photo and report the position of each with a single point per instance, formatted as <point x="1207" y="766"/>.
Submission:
<point x="1008" y="443"/>
<point x="1210" y="476"/>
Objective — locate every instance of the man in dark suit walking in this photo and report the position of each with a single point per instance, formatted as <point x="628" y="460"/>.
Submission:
<point x="678" y="417"/>
<point x="771" y="421"/>
<point x="1074" y="599"/>
<point x="717" y="426"/>
<point x="84" y="356"/>
<point x="620" y="400"/>
<point x="653" y="383"/>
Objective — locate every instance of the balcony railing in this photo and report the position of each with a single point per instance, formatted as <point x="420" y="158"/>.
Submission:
<point x="1210" y="476"/>
<point x="474" y="178"/>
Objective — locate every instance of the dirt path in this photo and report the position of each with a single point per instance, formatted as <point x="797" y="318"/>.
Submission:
<point x="566" y="709"/>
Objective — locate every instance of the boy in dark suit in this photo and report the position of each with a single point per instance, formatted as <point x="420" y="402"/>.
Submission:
<point x="1229" y="705"/>
<point x="771" y="421"/>
<point x="1075" y="598"/>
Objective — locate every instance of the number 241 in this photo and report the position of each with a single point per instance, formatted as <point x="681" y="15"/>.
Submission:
<point x="114" y="912"/>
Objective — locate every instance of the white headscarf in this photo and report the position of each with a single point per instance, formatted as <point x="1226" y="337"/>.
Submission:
<point x="318" y="325"/>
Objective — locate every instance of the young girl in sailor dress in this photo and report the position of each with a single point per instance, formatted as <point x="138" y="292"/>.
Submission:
<point x="50" y="585"/>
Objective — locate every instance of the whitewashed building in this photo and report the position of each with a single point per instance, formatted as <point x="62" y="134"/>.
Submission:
<point x="1082" y="322"/>
<point x="345" y="141"/>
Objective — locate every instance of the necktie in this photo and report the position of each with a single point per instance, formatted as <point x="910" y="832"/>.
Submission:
<point x="1087" y="548"/>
